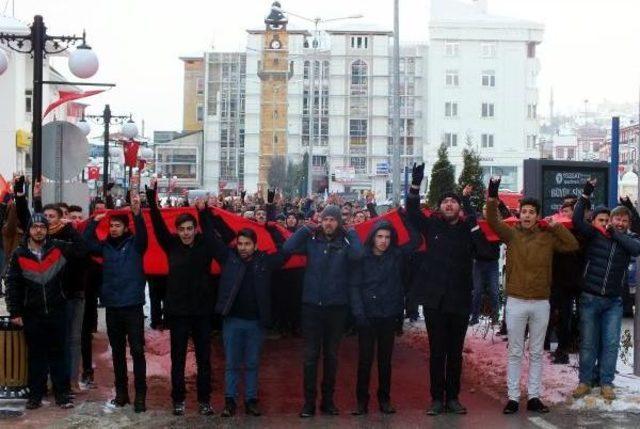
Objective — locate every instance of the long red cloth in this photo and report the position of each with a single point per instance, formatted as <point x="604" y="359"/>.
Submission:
<point x="155" y="260"/>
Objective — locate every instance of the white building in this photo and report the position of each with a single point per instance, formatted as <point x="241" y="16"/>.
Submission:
<point x="16" y="91"/>
<point x="482" y="85"/>
<point x="475" y="79"/>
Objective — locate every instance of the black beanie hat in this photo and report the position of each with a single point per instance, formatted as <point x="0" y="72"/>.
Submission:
<point x="449" y="195"/>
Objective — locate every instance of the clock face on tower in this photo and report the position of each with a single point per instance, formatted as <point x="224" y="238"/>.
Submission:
<point x="275" y="44"/>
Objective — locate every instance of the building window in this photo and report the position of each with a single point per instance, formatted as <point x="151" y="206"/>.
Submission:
<point x="451" y="109"/>
<point x="488" y="49"/>
<point x="508" y="174"/>
<point x="532" y="141"/>
<point x="489" y="78"/>
<point x="532" y="111"/>
<point x="451" y="139"/>
<point x="200" y="86"/>
<point x="560" y="153"/>
<point x="531" y="50"/>
<point x="28" y="101"/>
<point x="200" y="113"/>
<point x="358" y="136"/>
<point x="307" y="69"/>
<point x="452" y="49"/>
<point x="487" y="140"/>
<point x="359" y="164"/>
<point x="488" y="110"/>
<point x="359" y="70"/>
<point x="452" y="78"/>
<point x="359" y="42"/>
<point x="571" y="153"/>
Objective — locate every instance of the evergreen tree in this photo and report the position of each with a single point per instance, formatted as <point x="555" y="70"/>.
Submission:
<point x="472" y="174"/>
<point x="442" y="177"/>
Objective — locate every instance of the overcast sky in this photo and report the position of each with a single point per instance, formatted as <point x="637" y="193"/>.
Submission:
<point x="590" y="48"/>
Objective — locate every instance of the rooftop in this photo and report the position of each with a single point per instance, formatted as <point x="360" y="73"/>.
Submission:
<point x="473" y="12"/>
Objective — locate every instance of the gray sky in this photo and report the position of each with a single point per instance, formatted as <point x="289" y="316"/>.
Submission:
<point x="590" y="48"/>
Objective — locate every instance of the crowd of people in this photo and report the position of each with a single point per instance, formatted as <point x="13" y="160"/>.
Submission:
<point x="58" y="272"/>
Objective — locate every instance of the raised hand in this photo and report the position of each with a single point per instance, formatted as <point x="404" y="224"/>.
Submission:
<point x="468" y="189"/>
<point x="589" y="187"/>
<point x="626" y="201"/>
<point x="37" y="190"/>
<point x="99" y="216"/>
<point x="494" y="187"/>
<point x="271" y="195"/>
<point x="200" y="204"/>
<point x="417" y="174"/>
<point x="18" y="185"/>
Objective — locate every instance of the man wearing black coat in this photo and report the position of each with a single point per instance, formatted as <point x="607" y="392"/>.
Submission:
<point x="444" y="287"/>
<point x="189" y="301"/>
<point x="377" y="302"/>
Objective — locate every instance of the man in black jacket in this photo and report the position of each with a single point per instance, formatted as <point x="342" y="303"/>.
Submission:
<point x="244" y="302"/>
<point x="189" y="301"/>
<point x="377" y="303"/>
<point x="607" y="255"/>
<point x="443" y="286"/>
<point x="35" y="299"/>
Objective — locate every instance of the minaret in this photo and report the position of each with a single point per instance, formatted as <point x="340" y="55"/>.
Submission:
<point x="274" y="72"/>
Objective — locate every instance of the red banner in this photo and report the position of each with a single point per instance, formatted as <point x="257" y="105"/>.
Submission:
<point x="66" y="96"/>
<point x="130" y="148"/>
<point x="5" y="188"/>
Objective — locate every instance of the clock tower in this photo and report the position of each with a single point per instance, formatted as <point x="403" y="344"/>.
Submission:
<point x="274" y="72"/>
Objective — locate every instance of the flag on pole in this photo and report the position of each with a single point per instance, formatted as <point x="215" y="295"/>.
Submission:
<point x="66" y="96"/>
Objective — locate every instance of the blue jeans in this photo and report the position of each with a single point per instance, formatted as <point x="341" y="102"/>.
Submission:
<point x="600" y="326"/>
<point x="75" y="315"/>
<point x="485" y="274"/>
<point x="242" y="345"/>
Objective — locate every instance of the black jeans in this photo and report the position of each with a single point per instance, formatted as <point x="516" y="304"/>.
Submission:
<point x="199" y="328"/>
<point x="380" y="332"/>
<point x="157" y="294"/>
<point x="322" y="329"/>
<point x="127" y="323"/>
<point x="46" y="338"/>
<point x="446" y="337"/>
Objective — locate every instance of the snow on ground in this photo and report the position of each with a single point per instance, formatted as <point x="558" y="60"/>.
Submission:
<point x="485" y="365"/>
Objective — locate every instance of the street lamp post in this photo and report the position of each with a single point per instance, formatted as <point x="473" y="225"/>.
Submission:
<point x="130" y="131"/>
<point x="83" y="63"/>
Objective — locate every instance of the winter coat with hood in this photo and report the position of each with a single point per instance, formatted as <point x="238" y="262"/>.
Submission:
<point x="123" y="279"/>
<point x="376" y="287"/>
<point x="329" y="262"/>
<point x="607" y="255"/>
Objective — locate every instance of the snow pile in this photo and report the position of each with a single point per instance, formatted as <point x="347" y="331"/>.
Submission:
<point x="485" y="364"/>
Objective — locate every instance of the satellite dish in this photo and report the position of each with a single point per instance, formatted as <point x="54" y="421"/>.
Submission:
<point x="65" y="151"/>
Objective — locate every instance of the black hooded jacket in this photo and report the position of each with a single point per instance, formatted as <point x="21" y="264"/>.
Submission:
<point x="376" y="287"/>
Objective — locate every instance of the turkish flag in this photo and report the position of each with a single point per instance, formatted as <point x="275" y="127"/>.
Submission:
<point x="66" y="96"/>
<point x="93" y="173"/>
<point x="5" y="188"/>
<point x="131" y="152"/>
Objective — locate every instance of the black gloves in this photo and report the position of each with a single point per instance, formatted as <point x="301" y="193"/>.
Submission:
<point x="494" y="186"/>
<point x="271" y="195"/>
<point x="18" y="186"/>
<point x="626" y="201"/>
<point x="417" y="174"/>
<point x="242" y="195"/>
<point x="588" y="189"/>
<point x="152" y="199"/>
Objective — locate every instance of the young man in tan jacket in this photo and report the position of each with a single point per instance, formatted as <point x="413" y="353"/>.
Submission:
<point x="530" y="250"/>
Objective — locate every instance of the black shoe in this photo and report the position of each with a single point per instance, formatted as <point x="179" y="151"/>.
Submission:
<point x="33" y="404"/>
<point x="64" y="402"/>
<point x="536" y="405"/>
<point x="361" y="409"/>
<point x="87" y="378"/>
<point x="437" y="407"/>
<point x="140" y="404"/>
<point x="329" y="409"/>
<point x="178" y="408"/>
<point x="560" y="358"/>
<point x="511" y="407"/>
<point x="251" y="408"/>
<point x="120" y="400"/>
<point x="387" y="408"/>
<point x="455" y="407"/>
<point x="308" y="410"/>
<point x="205" y="409"/>
<point x="230" y="407"/>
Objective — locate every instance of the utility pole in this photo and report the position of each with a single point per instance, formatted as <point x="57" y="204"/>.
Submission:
<point x="396" y="104"/>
